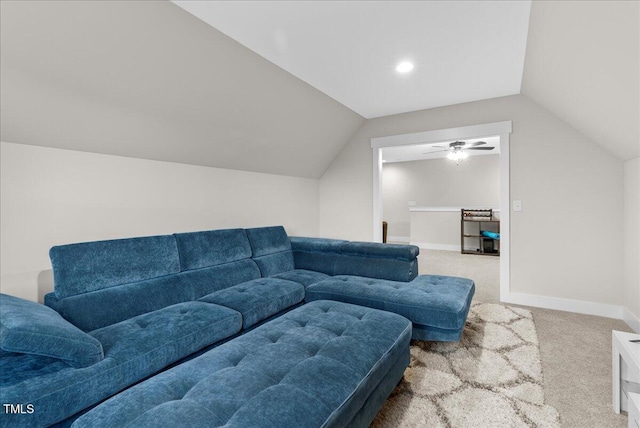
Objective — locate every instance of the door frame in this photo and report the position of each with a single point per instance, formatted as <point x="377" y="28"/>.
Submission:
<point x="501" y="129"/>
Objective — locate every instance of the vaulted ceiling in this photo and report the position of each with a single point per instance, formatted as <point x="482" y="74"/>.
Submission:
<point x="462" y="51"/>
<point x="148" y="79"/>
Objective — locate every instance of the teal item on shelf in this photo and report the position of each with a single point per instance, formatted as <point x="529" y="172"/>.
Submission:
<point x="492" y="235"/>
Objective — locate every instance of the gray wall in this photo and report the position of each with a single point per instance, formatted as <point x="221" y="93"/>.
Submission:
<point x="475" y="182"/>
<point x="53" y="196"/>
<point x="582" y="64"/>
<point x="566" y="182"/>
<point x="632" y="240"/>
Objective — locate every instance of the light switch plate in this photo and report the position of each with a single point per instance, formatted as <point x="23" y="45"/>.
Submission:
<point x="517" y="205"/>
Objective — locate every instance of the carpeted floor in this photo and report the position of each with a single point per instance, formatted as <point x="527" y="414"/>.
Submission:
<point x="575" y="349"/>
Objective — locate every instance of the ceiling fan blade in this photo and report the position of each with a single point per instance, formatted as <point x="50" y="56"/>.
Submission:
<point x="477" y="143"/>
<point x="480" y="148"/>
<point x="436" y="151"/>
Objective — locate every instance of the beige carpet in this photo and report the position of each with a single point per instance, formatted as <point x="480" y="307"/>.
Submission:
<point x="491" y="378"/>
<point x="575" y="348"/>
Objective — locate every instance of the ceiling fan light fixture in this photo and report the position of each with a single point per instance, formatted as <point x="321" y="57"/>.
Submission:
<point x="457" y="154"/>
<point x="404" y="67"/>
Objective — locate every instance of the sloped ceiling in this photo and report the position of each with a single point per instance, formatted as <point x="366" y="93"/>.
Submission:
<point x="462" y="50"/>
<point x="147" y="79"/>
<point x="582" y="64"/>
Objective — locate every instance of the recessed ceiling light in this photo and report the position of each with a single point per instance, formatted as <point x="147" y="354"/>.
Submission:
<point x="404" y="67"/>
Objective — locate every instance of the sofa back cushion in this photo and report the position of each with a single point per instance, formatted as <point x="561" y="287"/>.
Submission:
<point x="378" y="250"/>
<point x="376" y="260"/>
<point x="370" y="259"/>
<point x="208" y="280"/>
<point x="101" y="308"/>
<point x="91" y="266"/>
<point x="271" y="250"/>
<point x="215" y="259"/>
<point x="316" y="254"/>
<point x="98" y="309"/>
<point x="212" y="247"/>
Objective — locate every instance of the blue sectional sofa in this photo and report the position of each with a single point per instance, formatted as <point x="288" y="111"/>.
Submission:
<point x="125" y="310"/>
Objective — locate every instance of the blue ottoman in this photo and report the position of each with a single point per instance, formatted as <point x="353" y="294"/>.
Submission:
<point x="324" y="364"/>
<point x="436" y="305"/>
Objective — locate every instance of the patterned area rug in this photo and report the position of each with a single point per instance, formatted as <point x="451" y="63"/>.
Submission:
<point x="491" y="378"/>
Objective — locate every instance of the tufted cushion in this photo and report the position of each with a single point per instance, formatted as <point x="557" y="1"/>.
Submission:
<point x="133" y="350"/>
<point x="168" y="334"/>
<point x="314" y="366"/>
<point x="258" y="299"/>
<point x="429" y="300"/>
<point x="31" y="328"/>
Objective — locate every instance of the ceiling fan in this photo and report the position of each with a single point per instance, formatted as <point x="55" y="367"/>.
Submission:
<point x="458" y="149"/>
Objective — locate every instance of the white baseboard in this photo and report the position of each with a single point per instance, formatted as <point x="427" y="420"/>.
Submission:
<point x="403" y="239"/>
<point x="568" y="305"/>
<point x="632" y="320"/>
<point x="557" y="303"/>
<point x="442" y="247"/>
<point x="577" y="306"/>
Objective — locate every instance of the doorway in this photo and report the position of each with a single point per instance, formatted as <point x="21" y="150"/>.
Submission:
<point x="499" y="129"/>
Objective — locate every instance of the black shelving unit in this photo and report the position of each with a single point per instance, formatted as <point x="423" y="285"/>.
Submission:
<point x="472" y="224"/>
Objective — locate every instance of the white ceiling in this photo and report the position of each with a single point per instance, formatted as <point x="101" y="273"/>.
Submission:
<point x="462" y="50"/>
<point x="435" y="150"/>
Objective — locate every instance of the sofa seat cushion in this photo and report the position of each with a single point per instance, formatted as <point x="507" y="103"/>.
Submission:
<point x="429" y="300"/>
<point x="31" y="328"/>
<point x="314" y="366"/>
<point x="258" y="299"/>
<point x="301" y="276"/>
<point x="133" y="350"/>
<point x="169" y="333"/>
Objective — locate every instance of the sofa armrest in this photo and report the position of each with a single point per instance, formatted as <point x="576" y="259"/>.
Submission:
<point x="369" y="259"/>
<point x="383" y="251"/>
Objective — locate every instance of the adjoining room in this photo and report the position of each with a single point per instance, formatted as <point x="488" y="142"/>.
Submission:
<point x="425" y="189"/>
